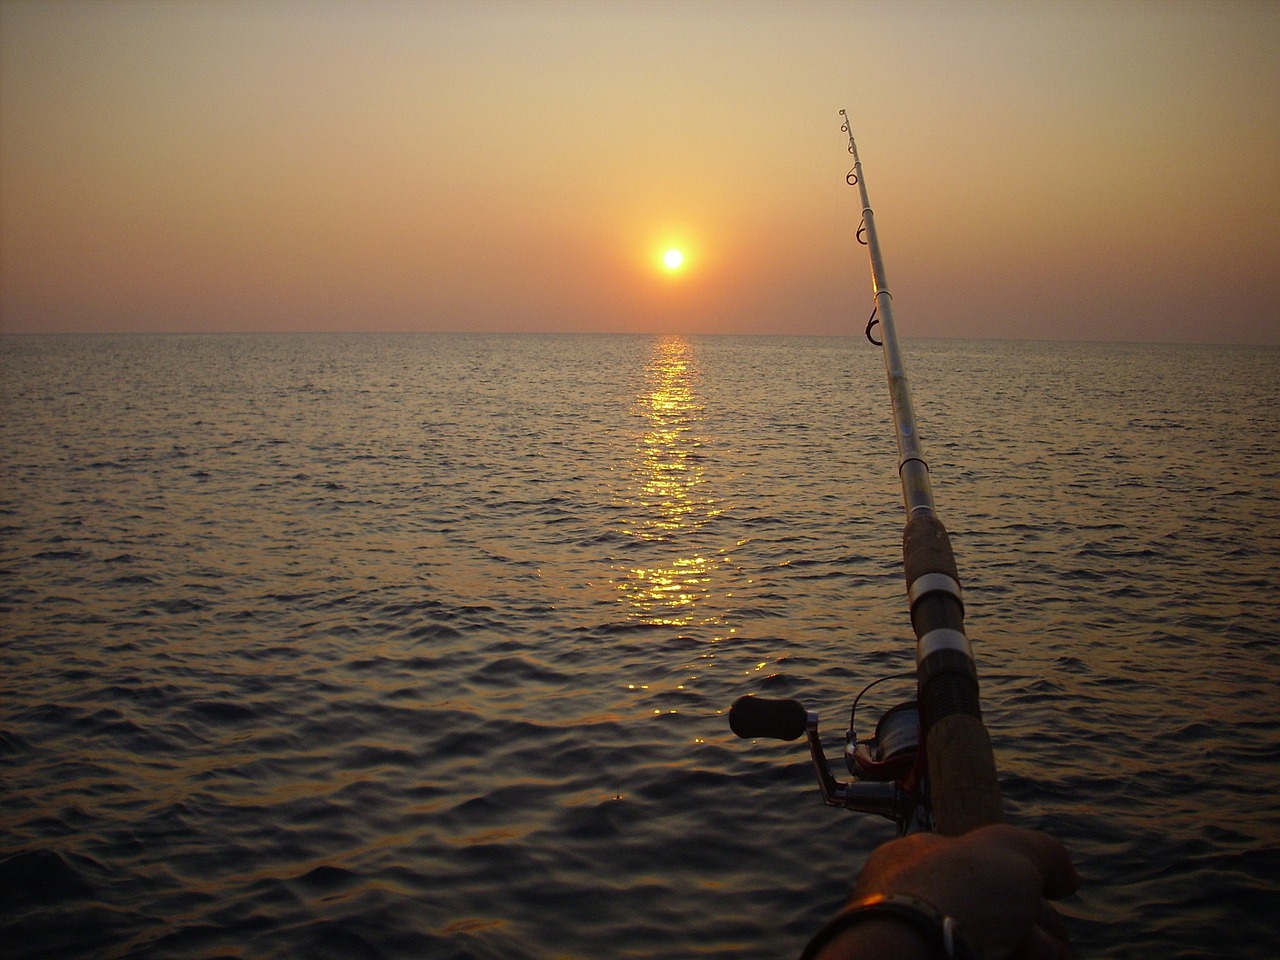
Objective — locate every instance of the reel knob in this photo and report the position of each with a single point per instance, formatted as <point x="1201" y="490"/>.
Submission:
<point x="753" y="717"/>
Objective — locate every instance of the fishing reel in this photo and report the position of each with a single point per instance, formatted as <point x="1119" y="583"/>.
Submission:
<point x="886" y="767"/>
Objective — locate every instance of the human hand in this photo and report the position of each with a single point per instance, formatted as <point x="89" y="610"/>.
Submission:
<point x="995" y="882"/>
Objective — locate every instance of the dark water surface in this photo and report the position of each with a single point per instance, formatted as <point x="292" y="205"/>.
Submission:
<point x="421" y="646"/>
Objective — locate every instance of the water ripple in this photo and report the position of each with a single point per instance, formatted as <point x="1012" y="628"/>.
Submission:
<point x="420" y="646"/>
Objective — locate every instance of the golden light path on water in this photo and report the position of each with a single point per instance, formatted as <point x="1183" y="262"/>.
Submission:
<point x="668" y="495"/>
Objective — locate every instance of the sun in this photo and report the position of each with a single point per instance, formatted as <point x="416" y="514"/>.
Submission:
<point x="674" y="255"/>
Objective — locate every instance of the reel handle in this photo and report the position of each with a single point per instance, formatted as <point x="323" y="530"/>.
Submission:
<point x="753" y="717"/>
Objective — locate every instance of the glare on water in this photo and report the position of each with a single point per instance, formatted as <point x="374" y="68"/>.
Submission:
<point x="668" y="500"/>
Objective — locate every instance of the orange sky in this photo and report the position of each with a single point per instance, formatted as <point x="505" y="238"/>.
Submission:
<point x="1073" y="170"/>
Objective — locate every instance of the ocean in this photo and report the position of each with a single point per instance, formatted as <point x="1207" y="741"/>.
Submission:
<point x="422" y="646"/>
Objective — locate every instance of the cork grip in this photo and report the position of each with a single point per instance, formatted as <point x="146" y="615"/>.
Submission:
<point x="962" y="775"/>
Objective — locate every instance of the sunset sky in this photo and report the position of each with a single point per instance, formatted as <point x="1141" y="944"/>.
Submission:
<point x="1050" y="170"/>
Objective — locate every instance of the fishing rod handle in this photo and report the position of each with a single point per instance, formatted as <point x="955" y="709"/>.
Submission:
<point x="963" y="785"/>
<point x="964" y="788"/>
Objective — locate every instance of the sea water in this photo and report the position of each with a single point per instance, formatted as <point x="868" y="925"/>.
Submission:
<point x="422" y="646"/>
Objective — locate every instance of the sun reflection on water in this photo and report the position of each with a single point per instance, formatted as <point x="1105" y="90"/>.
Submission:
<point x="669" y="499"/>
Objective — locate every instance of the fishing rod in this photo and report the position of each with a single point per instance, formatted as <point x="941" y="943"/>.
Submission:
<point x="929" y="764"/>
